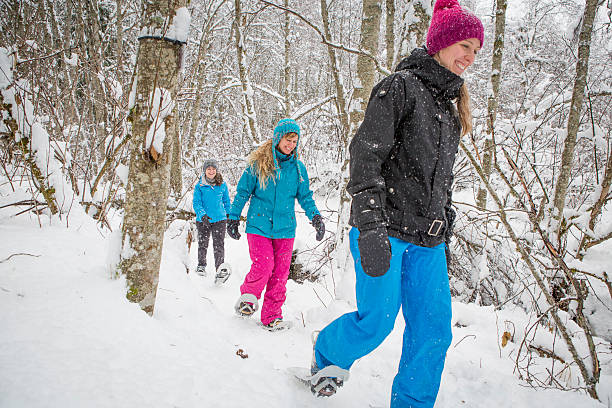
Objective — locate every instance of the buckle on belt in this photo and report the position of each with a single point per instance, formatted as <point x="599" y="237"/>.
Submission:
<point x="435" y="228"/>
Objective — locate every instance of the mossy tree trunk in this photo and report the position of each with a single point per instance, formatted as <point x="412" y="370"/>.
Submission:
<point x="149" y="175"/>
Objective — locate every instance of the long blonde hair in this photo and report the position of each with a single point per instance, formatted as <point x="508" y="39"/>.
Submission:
<point x="262" y="162"/>
<point x="465" y="112"/>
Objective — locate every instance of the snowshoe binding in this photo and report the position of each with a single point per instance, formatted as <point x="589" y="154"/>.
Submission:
<point x="223" y="272"/>
<point x="246" y="305"/>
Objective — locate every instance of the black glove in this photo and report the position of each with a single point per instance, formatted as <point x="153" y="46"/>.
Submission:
<point x="317" y="223"/>
<point x="232" y="229"/>
<point x="375" y="251"/>
<point x="205" y="220"/>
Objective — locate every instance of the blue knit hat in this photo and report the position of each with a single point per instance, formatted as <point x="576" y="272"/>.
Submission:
<point x="283" y="127"/>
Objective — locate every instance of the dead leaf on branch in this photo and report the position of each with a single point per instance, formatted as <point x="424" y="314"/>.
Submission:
<point x="506" y="337"/>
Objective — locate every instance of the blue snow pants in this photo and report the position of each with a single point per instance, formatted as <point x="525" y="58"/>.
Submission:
<point x="417" y="280"/>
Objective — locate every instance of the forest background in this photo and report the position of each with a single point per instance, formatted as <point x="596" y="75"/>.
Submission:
<point x="110" y="107"/>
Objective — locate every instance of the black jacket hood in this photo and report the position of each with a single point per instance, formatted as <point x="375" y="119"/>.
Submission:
<point x="442" y="83"/>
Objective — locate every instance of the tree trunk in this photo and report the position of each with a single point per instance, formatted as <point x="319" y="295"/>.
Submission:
<point x="198" y="80"/>
<point x="333" y="62"/>
<point x="370" y="30"/>
<point x="287" y="69"/>
<point x="415" y="29"/>
<point x="389" y="36"/>
<point x="492" y="103"/>
<point x="573" y="121"/>
<point x="248" y="105"/>
<point x="148" y="181"/>
<point x="345" y="199"/>
<point x="176" y="173"/>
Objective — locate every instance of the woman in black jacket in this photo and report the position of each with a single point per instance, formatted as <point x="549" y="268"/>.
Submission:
<point x="400" y="181"/>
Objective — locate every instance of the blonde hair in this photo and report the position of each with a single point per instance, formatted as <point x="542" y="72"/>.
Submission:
<point x="465" y="112"/>
<point x="262" y="161"/>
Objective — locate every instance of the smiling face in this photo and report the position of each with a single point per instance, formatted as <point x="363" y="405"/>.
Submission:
<point x="288" y="143"/>
<point x="211" y="172"/>
<point x="459" y="56"/>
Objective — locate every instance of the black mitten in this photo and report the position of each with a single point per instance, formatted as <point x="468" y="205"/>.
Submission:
<point x="319" y="226"/>
<point x="375" y="251"/>
<point x="232" y="229"/>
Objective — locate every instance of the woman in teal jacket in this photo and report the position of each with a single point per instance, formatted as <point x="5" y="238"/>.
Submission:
<point x="211" y="204"/>
<point x="272" y="181"/>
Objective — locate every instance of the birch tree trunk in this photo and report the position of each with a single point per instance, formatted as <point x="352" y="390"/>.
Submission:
<point x="248" y="104"/>
<point x="149" y="175"/>
<point x="492" y="103"/>
<point x="573" y="121"/>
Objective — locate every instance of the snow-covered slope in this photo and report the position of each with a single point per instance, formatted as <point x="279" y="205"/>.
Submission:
<point x="69" y="338"/>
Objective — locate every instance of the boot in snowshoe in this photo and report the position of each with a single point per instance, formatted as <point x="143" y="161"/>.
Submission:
<point x="277" y="325"/>
<point x="223" y="272"/>
<point x="246" y="305"/>
<point x="326" y="381"/>
<point x="201" y="270"/>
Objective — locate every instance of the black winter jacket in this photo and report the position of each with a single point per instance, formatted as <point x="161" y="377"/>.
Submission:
<point x="402" y="156"/>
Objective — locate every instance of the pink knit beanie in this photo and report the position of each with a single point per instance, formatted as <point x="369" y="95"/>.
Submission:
<point x="449" y="24"/>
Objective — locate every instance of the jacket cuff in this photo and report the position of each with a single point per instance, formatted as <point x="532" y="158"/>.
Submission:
<point x="367" y="210"/>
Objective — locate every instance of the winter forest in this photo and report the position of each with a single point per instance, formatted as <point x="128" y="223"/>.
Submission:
<point x="109" y="108"/>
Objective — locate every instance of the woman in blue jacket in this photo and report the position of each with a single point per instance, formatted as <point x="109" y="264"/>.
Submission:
<point x="211" y="204"/>
<point x="272" y="181"/>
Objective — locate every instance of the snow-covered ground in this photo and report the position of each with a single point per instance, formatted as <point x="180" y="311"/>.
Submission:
<point x="69" y="337"/>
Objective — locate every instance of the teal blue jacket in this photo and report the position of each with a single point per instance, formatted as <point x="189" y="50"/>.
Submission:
<point x="212" y="201"/>
<point x="272" y="209"/>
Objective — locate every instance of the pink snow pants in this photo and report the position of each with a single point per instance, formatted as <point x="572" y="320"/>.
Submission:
<point x="270" y="269"/>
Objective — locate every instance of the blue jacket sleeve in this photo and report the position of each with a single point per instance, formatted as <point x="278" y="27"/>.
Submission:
<point x="304" y="194"/>
<point x="198" y="206"/>
<point x="244" y="190"/>
<point x="226" y="200"/>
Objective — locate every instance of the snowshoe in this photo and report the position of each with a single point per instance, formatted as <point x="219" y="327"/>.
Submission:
<point x="201" y="270"/>
<point x="246" y="305"/>
<point x="277" y="325"/>
<point x="223" y="272"/>
<point x="326" y="381"/>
